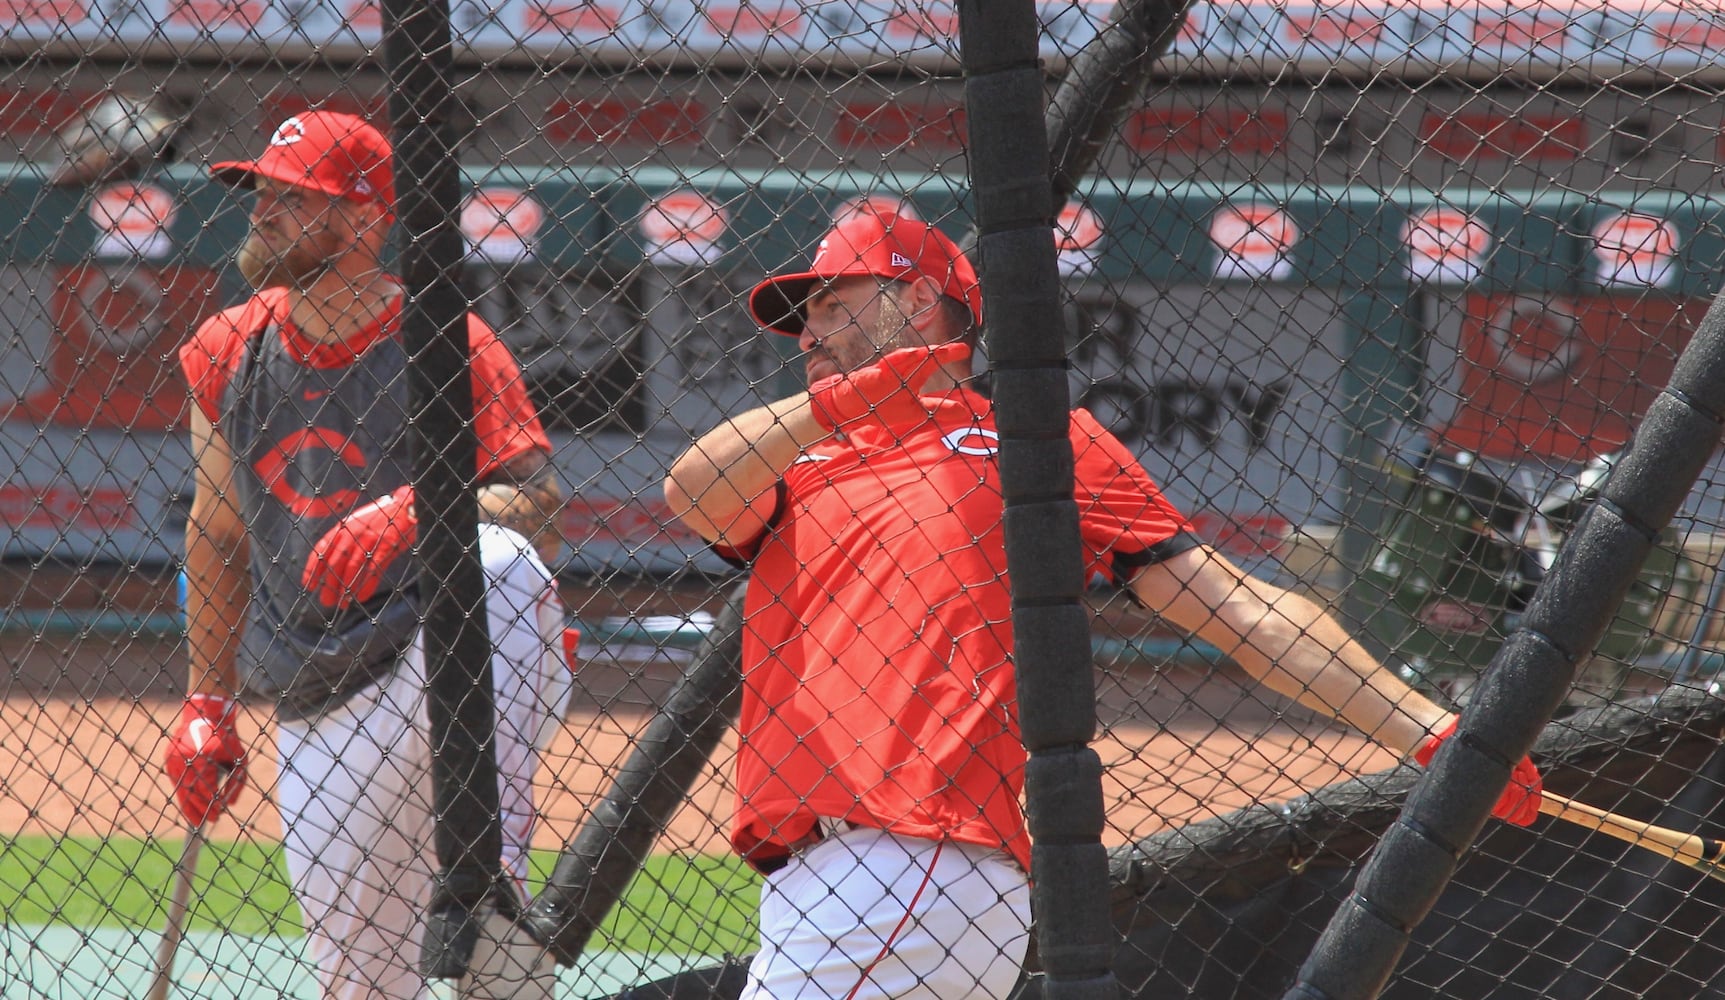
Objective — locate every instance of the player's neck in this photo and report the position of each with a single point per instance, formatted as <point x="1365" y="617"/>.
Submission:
<point x="333" y="307"/>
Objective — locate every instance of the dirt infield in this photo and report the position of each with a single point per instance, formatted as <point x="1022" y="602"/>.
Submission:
<point x="85" y="720"/>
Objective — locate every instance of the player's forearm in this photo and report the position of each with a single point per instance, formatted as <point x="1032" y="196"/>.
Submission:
<point x="726" y="470"/>
<point x="1299" y="650"/>
<point x="217" y="594"/>
<point x="1286" y="642"/>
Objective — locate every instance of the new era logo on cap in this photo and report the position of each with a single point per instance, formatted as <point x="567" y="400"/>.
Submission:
<point x="900" y="260"/>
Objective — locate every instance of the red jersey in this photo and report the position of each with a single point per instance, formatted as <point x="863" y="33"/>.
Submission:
<point x="878" y="683"/>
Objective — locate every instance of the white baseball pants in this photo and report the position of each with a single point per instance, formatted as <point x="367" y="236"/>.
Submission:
<point x="355" y="787"/>
<point x="866" y="914"/>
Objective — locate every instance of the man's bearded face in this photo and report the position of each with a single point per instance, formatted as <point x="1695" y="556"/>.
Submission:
<point x="296" y="235"/>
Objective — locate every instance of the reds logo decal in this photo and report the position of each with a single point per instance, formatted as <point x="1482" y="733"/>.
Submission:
<point x="1634" y="249"/>
<point x="1077" y="238"/>
<point x="972" y="441"/>
<point x="683" y="228"/>
<point x="132" y="220"/>
<point x="1445" y="246"/>
<point x="501" y="224"/>
<point x="288" y="132"/>
<point x="1255" y="241"/>
<point x="1533" y="340"/>
<point x="272" y="470"/>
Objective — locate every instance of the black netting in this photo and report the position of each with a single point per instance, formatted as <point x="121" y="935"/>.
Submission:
<point x="1378" y="294"/>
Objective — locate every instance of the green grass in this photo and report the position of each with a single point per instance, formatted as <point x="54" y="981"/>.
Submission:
<point x="700" y="905"/>
<point x="686" y="905"/>
<point x="124" y="882"/>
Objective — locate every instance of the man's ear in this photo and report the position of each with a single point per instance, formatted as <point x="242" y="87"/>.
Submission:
<point x="370" y="217"/>
<point x="925" y="310"/>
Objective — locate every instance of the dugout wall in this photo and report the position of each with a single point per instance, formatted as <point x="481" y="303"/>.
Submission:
<point x="1288" y="336"/>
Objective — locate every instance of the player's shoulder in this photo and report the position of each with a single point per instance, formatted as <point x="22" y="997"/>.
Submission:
<point x="225" y="334"/>
<point x="1082" y="421"/>
<point x="479" y="332"/>
<point x="1095" y="444"/>
<point x="1086" y="428"/>
<point x="492" y="359"/>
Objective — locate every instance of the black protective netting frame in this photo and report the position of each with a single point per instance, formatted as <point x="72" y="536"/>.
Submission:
<point x="1381" y="293"/>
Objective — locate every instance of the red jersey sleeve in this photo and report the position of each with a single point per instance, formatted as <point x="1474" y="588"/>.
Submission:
<point x="212" y="355"/>
<point x="1122" y="514"/>
<point x="504" y="419"/>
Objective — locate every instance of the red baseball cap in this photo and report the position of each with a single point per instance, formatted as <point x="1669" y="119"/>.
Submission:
<point x="328" y="151"/>
<point x="884" y="245"/>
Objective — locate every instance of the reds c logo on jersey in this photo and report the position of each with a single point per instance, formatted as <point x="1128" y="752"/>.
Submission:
<point x="274" y="468"/>
<point x="972" y="441"/>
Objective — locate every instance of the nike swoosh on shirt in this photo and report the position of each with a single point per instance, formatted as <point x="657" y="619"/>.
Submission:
<point x="812" y="458"/>
<point x="314" y="394"/>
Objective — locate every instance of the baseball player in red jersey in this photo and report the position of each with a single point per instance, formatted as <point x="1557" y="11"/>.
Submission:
<point x="879" y="778"/>
<point x="300" y="591"/>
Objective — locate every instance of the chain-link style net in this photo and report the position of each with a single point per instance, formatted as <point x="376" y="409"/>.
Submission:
<point x="1365" y="298"/>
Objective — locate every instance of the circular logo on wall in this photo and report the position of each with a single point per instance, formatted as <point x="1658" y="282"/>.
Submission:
<point x="1533" y="340"/>
<point x="1077" y="238"/>
<point x="1634" y="249"/>
<point x="1445" y="246"/>
<point x="132" y="220"/>
<point x="683" y="228"/>
<point x="120" y="310"/>
<point x="501" y="224"/>
<point x="1464" y="617"/>
<point x="1254" y="241"/>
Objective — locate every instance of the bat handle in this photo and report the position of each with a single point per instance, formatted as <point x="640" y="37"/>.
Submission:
<point x="1685" y="847"/>
<point x="178" y="903"/>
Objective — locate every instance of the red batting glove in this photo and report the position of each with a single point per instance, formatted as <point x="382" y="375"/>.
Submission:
<point x="1519" y="803"/>
<point x="347" y="563"/>
<point x="205" y="759"/>
<point x="885" y="391"/>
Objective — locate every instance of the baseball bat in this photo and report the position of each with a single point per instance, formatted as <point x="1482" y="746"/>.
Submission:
<point x="1700" y="853"/>
<point x="178" y="903"/>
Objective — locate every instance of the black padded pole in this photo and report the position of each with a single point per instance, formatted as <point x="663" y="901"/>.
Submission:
<point x="595" y="868"/>
<point x="1015" y="207"/>
<point x="1103" y="83"/>
<point x="1526" y="681"/>
<point x="468" y="833"/>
